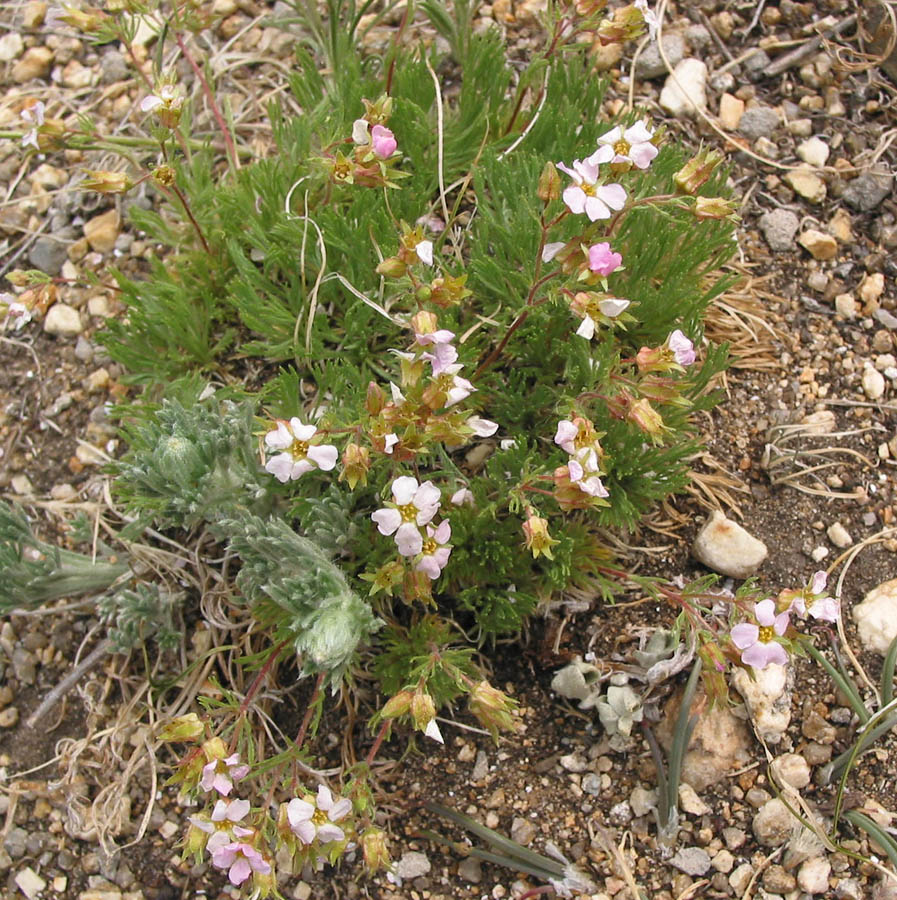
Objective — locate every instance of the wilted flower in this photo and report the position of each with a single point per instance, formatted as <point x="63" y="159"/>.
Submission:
<point x="538" y="540"/>
<point x="413" y="506"/>
<point x="356" y="463"/>
<point x="493" y="708"/>
<point x="311" y="821"/>
<point x="587" y="196"/>
<point x="375" y="849"/>
<point x="757" y="641"/>
<point x="714" y="208"/>
<point x="106" y="182"/>
<point x="166" y="103"/>
<point x="34" y="116"/>
<point x="435" y="552"/>
<point x="697" y="171"/>
<point x="300" y="454"/>
<point x="649" y="16"/>
<point x="603" y="260"/>
<point x="813" y="600"/>
<point x="632" y="146"/>
<point x="220" y="774"/>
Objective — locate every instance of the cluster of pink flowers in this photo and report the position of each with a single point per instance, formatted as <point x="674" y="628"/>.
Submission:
<point x="228" y="843"/>
<point x="577" y="437"/>
<point x="314" y="818"/>
<point x="589" y="193"/>
<point x="300" y="454"/>
<point x="413" y="507"/>
<point x="381" y="140"/>
<point x="757" y="640"/>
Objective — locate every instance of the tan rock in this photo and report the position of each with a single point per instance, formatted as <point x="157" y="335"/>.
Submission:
<point x="11" y="46"/>
<point x="876" y="617"/>
<point x="62" y="320"/>
<point x="34" y="13"/>
<point x="730" y="111"/>
<point x="804" y="181"/>
<point x="74" y="75"/>
<point x="35" y="63"/>
<point x="606" y="56"/>
<point x="840" y="226"/>
<point x="846" y="306"/>
<point x="820" y="245"/>
<point x="727" y="548"/>
<point x="872" y="288"/>
<point x="102" y="230"/>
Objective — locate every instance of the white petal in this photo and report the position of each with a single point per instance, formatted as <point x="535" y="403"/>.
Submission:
<point x="387" y="519"/>
<point x="612" y="306"/>
<point x="324" y="455"/>
<point x="397" y="395"/>
<point x="424" y="251"/>
<point x="549" y="251"/>
<point x="575" y="199"/>
<point x="642" y="154"/>
<point x="408" y="540"/>
<point x="612" y="136"/>
<point x="566" y="432"/>
<point x="427" y="495"/>
<point x="638" y="133"/>
<point x="281" y="467"/>
<point x="299" y="811"/>
<point x="443" y="533"/>
<point x="586" y="328"/>
<point x="604" y="154"/>
<point x="596" y="209"/>
<point x="329" y="833"/>
<point x="302" y="432"/>
<point x="390" y="440"/>
<point x="280" y="438"/>
<point x="432" y="731"/>
<point x="325" y="798"/>
<point x="148" y="104"/>
<point x="404" y="489"/>
<point x="614" y="195"/>
<point x="482" y="427"/>
<point x="360" y="131"/>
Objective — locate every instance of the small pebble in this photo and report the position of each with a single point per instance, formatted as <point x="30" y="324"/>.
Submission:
<point x="839" y="535"/>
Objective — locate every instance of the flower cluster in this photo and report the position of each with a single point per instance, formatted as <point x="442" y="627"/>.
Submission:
<point x="314" y="819"/>
<point x="371" y="163"/>
<point x="231" y="846"/>
<point x="579" y="438"/>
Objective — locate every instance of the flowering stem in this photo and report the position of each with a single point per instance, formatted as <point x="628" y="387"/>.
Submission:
<point x="309" y="712"/>
<point x="645" y="201"/>
<point x="192" y="218"/>
<point x="216" y="112"/>
<point x="259" y="678"/>
<point x="375" y="747"/>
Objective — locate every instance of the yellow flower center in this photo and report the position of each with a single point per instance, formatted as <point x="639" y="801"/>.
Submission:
<point x="319" y="817"/>
<point x="766" y="635"/>
<point x="299" y="449"/>
<point x="588" y="189"/>
<point x="429" y="547"/>
<point x="622" y="147"/>
<point x="408" y="512"/>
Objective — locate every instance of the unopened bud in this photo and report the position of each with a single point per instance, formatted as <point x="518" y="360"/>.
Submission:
<point x="714" y="208"/>
<point x="375" y="399"/>
<point x="493" y="708"/>
<point x="397" y="705"/>
<point x="356" y="463"/>
<point x="106" y="182"/>
<point x="423" y="710"/>
<point x="214" y="748"/>
<point x="195" y="841"/>
<point x="424" y="322"/>
<point x="392" y="267"/>
<point x="164" y="175"/>
<point x="697" y="171"/>
<point x="646" y="418"/>
<point x="18" y="278"/>
<point x="549" y="184"/>
<point x="375" y="849"/>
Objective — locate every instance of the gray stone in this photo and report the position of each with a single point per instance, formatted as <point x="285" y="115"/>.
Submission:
<point x="591" y="784"/>
<point x="756" y="64"/>
<point x="23" y="665"/>
<point x="773" y="823"/>
<point x="693" y="861"/>
<point x="471" y="870"/>
<point x="758" y="121"/>
<point x="642" y="801"/>
<point x="779" y="227"/>
<point x="16" y="843"/>
<point x="867" y="191"/>
<point x="650" y="64"/>
<point x="888" y="319"/>
<point x="522" y="831"/>
<point x="114" y="67"/>
<point x="48" y="254"/>
<point x="412" y="864"/>
<point x="727" y="548"/>
<point x="698" y="37"/>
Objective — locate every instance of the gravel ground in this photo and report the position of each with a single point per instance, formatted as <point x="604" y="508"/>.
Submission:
<point x="813" y="324"/>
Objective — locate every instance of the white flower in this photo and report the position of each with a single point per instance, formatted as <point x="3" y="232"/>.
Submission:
<point x="34" y="116"/>
<point x="413" y="506"/>
<point x="586" y="195"/>
<point x="389" y="441"/>
<point x="360" y="131"/>
<point x="315" y="821"/>
<point x="167" y="96"/>
<point x="300" y="455"/>
<point x="434" y="552"/>
<point x="461" y="388"/>
<point x="630" y="146"/>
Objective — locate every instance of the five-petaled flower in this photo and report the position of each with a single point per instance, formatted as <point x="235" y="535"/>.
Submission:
<point x="241" y="860"/>
<point x="300" y="455"/>
<point x="166" y="103"/>
<point x="34" y="116"/>
<point x="223" y="821"/>
<point x="603" y="260"/>
<point x="443" y="354"/>
<point x="597" y="201"/>
<point x="220" y="774"/>
<point x="594" y="308"/>
<point x="435" y="551"/>
<point x="814" y="602"/>
<point x="757" y="642"/>
<point x="413" y="506"/>
<point x="630" y="146"/>
<point x="313" y="820"/>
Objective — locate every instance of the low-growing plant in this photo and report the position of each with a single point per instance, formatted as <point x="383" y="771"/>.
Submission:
<point x="407" y="370"/>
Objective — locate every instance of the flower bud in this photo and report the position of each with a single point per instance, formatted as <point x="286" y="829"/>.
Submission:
<point x="549" y="184"/>
<point x="214" y="748"/>
<point x="89" y="19"/>
<point x="392" y="267"/>
<point x="653" y="359"/>
<point x="423" y="709"/>
<point x="195" y="841"/>
<point x="183" y="728"/>
<point x="493" y="708"/>
<point x="424" y="322"/>
<point x="397" y="705"/>
<point x="164" y="176"/>
<point x="714" y="208"/>
<point x="375" y="848"/>
<point x="697" y="171"/>
<point x="535" y="529"/>
<point x="375" y="399"/>
<point x="18" y="278"/>
<point x="646" y="418"/>
<point x="356" y="463"/>
<point x="106" y="182"/>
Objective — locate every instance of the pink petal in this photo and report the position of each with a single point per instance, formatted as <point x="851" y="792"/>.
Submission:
<point x="443" y="532"/>
<point x="825" y="609"/>
<point x="482" y="427"/>
<point x="565" y="435"/>
<point x="765" y="611"/>
<point x="325" y="798"/>
<point x="638" y="133"/>
<point x="305" y="831"/>
<point x="575" y="199"/>
<point x="817" y="585"/>
<point x="280" y="438"/>
<point x="239" y="871"/>
<point x="614" y="195"/>
<point x="429" y="566"/>
<point x="300" y="467"/>
<point x="612" y="136"/>
<point x="745" y="635"/>
<point x="408" y="539"/>
<point x="593" y="487"/>
<point x="387" y="519"/>
<point x="340" y="809"/>
<point x="425" y="496"/>
<point x="281" y="467"/>
<point x="761" y="655"/>
<point x="642" y="154"/>
<point x="302" y="432"/>
<point x="604" y="154"/>
<point x="328" y="833"/>
<point x="596" y="209"/>
<point x="568" y="171"/>
<point x="575" y="470"/>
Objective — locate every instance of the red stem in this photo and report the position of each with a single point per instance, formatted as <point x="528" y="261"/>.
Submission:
<point x="192" y="218"/>
<point x="309" y="712"/>
<point x="210" y="97"/>
<point x="375" y="747"/>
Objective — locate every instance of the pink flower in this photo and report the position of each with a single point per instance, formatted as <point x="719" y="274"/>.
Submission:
<point x="434" y="552"/>
<point x="587" y="483"/>
<point x="757" y="642"/>
<point x="222" y="824"/>
<point x="813" y="602"/>
<point x="683" y="349"/>
<point x="300" y="454"/>
<point x="241" y="860"/>
<point x="413" y="507"/>
<point x="462" y="497"/>
<point x="587" y="196"/>
<point x="315" y="821"/>
<point x="220" y="774"/>
<point x="603" y="260"/>
<point x="461" y="388"/>
<point x="383" y="141"/>
<point x="444" y="353"/>
<point x="630" y="146"/>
